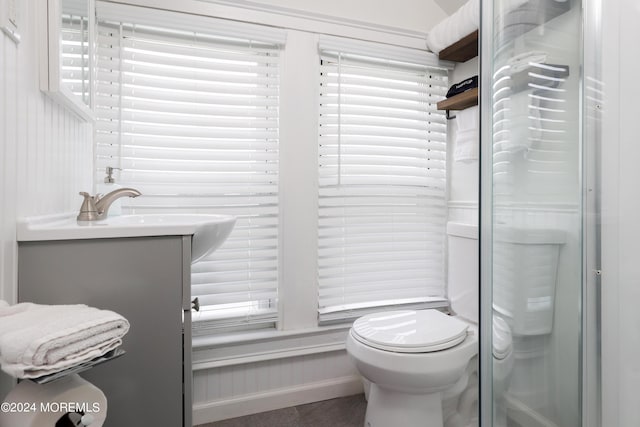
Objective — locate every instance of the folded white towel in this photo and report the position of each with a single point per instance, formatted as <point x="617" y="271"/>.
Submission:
<point x="38" y="340"/>
<point x="461" y="23"/>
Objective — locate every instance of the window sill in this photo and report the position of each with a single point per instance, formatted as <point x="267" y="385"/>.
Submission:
<point x="257" y="346"/>
<point x="256" y="336"/>
<point x="245" y="347"/>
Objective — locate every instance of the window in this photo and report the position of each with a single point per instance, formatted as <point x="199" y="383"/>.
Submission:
<point x="188" y="109"/>
<point x="382" y="159"/>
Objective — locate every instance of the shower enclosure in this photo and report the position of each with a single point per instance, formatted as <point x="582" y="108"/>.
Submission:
<point x="539" y="122"/>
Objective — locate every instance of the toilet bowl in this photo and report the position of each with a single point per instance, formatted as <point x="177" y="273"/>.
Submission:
<point x="412" y="359"/>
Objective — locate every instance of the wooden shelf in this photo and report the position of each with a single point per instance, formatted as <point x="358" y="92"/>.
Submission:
<point x="462" y="50"/>
<point x="460" y="101"/>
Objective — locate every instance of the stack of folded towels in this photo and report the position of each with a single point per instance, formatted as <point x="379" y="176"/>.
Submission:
<point x="37" y="340"/>
<point x="460" y="24"/>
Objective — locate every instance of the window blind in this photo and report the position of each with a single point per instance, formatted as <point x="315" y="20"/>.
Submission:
<point x="382" y="160"/>
<point x="74" y="41"/>
<point x="191" y="118"/>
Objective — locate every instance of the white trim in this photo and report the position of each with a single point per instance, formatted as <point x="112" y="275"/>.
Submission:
<point x="269" y="355"/>
<point x="242" y="348"/>
<point x="299" y="92"/>
<point x="317" y="17"/>
<point x="48" y="21"/>
<point x="339" y="47"/>
<point x="536" y="207"/>
<point x="255" y="336"/>
<point x="276" y="399"/>
<point x="274" y="16"/>
<point x="190" y="23"/>
<point x="462" y="204"/>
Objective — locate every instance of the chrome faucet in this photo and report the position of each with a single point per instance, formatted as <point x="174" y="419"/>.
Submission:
<point x="95" y="208"/>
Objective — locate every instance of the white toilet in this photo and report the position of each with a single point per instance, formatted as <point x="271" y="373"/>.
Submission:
<point x="415" y="358"/>
<point x="421" y="361"/>
<point x="410" y="358"/>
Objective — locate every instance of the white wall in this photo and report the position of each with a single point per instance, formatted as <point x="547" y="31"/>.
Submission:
<point x="46" y="153"/>
<point x="620" y="215"/>
<point x="232" y="391"/>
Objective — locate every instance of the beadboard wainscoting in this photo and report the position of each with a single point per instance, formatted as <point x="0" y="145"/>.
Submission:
<point x="46" y="151"/>
<point x="271" y="372"/>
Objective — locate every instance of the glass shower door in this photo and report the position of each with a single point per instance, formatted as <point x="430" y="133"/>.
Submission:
<point x="535" y="264"/>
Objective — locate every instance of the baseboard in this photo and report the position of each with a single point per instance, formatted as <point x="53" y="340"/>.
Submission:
<point x="208" y="412"/>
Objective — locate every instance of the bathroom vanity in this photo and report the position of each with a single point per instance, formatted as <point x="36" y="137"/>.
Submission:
<point x="145" y="278"/>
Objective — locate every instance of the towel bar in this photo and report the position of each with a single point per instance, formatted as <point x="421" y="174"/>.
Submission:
<point x="113" y="354"/>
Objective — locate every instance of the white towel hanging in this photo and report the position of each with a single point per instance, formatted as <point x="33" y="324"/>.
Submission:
<point x="467" y="135"/>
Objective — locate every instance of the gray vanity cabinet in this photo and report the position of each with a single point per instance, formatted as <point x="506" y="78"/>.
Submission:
<point x="145" y="279"/>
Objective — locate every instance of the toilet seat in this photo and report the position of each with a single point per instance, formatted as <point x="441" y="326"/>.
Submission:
<point x="410" y="331"/>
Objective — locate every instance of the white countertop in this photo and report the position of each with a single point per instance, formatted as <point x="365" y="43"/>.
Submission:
<point x="209" y="231"/>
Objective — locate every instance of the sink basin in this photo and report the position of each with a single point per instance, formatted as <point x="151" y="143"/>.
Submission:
<point x="208" y="231"/>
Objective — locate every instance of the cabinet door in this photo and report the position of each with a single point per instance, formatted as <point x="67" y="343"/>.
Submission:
<point x="140" y="278"/>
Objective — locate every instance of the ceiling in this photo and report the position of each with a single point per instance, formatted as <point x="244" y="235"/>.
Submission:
<point x="449" y="6"/>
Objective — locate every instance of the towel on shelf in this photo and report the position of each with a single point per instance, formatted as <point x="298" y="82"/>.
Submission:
<point x="37" y="340"/>
<point x="514" y="17"/>
<point x="461" y="23"/>
<point x="467" y="135"/>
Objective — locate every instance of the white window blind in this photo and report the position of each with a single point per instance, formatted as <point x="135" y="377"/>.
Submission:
<point x="382" y="158"/>
<point x="191" y="117"/>
<point x="74" y="41"/>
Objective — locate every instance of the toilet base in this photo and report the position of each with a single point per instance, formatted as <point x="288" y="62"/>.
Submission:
<point x="393" y="408"/>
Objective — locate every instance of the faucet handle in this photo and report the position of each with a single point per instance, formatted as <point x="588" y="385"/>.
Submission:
<point x="89" y="200"/>
<point x="88" y="211"/>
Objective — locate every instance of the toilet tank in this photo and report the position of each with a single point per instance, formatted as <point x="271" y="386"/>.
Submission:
<point x="525" y="265"/>
<point x="462" y="269"/>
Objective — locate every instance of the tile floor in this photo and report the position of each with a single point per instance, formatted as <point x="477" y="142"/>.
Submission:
<point x="342" y="412"/>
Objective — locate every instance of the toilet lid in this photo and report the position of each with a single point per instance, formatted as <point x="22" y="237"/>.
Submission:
<point x="410" y="331"/>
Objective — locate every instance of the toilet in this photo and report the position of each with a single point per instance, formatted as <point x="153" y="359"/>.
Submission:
<point x="411" y="358"/>
<point x="416" y="363"/>
<point x="416" y="358"/>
